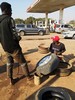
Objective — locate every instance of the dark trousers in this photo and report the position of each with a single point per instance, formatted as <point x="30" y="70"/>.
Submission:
<point x="18" y="56"/>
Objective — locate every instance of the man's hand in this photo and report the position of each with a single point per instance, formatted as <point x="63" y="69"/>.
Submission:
<point x="55" y="52"/>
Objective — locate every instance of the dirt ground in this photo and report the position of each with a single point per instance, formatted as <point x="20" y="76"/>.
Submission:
<point x="25" y="90"/>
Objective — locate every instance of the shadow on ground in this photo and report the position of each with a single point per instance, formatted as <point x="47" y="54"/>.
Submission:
<point x="30" y="51"/>
<point x="3" y="67"/>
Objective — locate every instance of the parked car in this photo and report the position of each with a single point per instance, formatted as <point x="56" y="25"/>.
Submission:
<point x="24" y="29"/>
<point x="62" y="28"/>
<point x="69" y="34"/>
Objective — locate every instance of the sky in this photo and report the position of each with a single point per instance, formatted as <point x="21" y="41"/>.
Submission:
<point x="19" y="10"/>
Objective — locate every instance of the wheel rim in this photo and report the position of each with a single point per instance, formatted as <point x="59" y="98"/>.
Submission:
<point x="22" y="33"/>
<point x="40" y="33"/>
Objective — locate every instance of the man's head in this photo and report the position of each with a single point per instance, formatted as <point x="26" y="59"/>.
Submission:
<point x="6" y="8"/>
<point x="55" y="38"/>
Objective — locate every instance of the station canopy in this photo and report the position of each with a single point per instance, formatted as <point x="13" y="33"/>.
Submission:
<point x="43" y="6"/>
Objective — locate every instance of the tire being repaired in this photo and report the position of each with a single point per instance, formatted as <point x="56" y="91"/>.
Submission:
<point x="47" y="64"/>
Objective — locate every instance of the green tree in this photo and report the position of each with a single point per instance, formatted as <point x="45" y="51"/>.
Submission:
<point x="19" y="21"/>
<point x="30" y="20"/>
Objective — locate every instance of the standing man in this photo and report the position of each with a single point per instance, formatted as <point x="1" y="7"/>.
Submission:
<point x="10" y="42"/>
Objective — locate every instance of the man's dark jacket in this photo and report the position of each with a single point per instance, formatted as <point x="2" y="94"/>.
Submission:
<point x="7" y="41"/>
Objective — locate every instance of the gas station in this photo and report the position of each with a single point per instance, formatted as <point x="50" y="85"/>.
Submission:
<point x="49" y="6"/>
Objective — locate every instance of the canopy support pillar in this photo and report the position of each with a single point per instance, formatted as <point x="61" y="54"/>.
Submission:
<point x="46" y="22"/>
<point x="61" y="15"/>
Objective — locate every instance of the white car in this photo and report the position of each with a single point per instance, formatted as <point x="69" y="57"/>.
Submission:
<point x="62" y="28"/>
<point x="69" y="34"/>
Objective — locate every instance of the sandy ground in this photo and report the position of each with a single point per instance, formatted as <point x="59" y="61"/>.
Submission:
<point x="25" y="90"/>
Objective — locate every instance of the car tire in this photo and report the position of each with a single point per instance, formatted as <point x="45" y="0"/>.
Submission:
<point x="64" y="71"/>
<point x="47" y="67"/>
<point x="43" y="49"/>
<point x="73" y="36"/>
<point x="41" y="33"/>
<point x="52" y="93"/>
<point x="21" y="33"/>
<point x="73" y="69"/>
